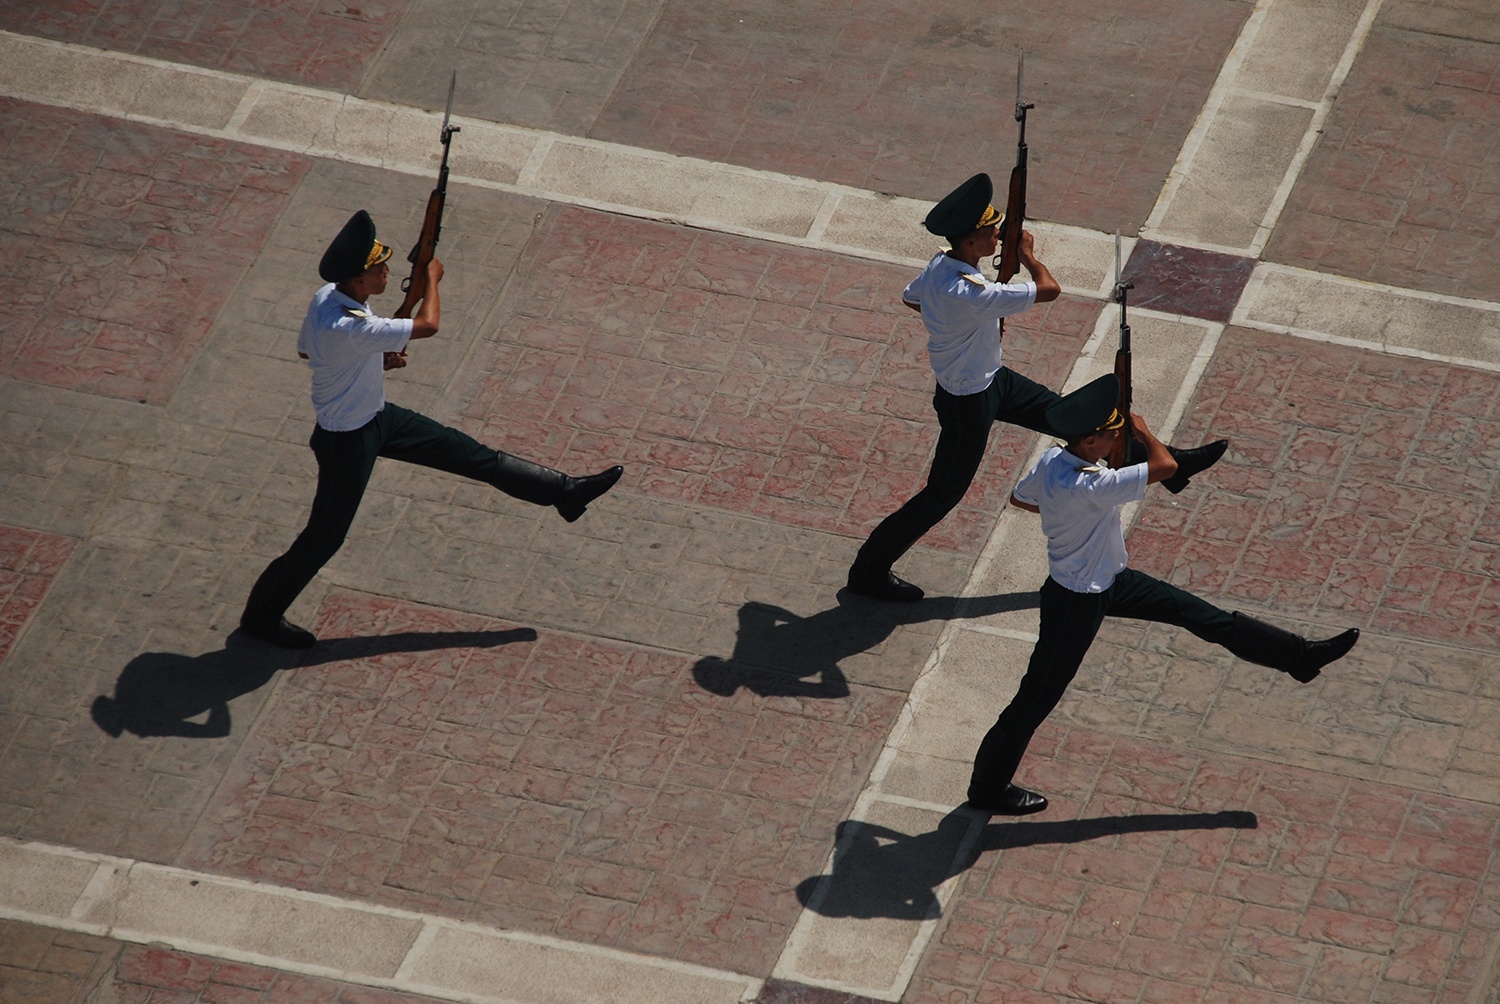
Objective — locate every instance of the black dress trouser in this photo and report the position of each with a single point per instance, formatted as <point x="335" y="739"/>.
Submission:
<point x="1069" y="622"/>
<point x="965" y="421"/>
<point x="345" y="461"/>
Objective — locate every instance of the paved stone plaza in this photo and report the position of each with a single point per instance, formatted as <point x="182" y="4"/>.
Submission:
<point x="660" y="755"/>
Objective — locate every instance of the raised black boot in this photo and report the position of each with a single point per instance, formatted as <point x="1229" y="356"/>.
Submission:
<point x="1300" y="658"/>
<point x="1194" y="461"/>
<point x="531" y="482"/>
<point x="990" y="787"/>
<point x="579" y="492"/>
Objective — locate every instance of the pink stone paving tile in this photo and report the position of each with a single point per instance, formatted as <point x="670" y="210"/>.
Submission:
<point x="29" y="562"/>
<point x="552" y="783"/>
<point x="303" y="41"/>
<point x="1217" y="879"/>
<point x="748" y="377"/>
<point x="41" y="965"/>
<point x="860" y="93"/>
<point x="126" y="241"/>
<point x="1398" y="188"/>
<point x="1375" y="519"/>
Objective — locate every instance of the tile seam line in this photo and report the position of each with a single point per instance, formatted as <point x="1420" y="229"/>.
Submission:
<point x="109" y="865"/>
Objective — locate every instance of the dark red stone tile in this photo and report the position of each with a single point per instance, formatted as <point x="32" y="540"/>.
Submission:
<point x="1187" y="281"/>
<point x="300" y="41"/>
<point x="29" y="562"/>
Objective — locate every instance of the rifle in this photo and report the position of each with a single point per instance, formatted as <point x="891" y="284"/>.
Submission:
<point x="1015" y="202"/>
<point x="1120" y="453"/>
<point x="415" y="285"/>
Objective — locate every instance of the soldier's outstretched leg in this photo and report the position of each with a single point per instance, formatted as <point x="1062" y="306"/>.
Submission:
<point x="1300" y="658"/>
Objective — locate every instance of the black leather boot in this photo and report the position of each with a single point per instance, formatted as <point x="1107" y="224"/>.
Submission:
<point x="277" y="631"/>
<point x="1300" y="658"/>
<point x="1195" y="461"/>
<point x="262" y="617"/>
<point x="579" y="492"/>
<point x="531" y="482"/>
<point x="886" y="585"/>
<point x="527" y="481"/>
<point x="990" y="787"/>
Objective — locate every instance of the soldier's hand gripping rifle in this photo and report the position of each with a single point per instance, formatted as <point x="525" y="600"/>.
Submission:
<point x="1015" y="201"/>
<point x="415" y="285"/>
<point x="1119" y="455"/>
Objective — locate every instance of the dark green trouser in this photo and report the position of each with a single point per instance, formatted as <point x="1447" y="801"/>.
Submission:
<point x="345" y="461"/>
<point x="1071" y="620"/>
<point x="965" y="421"/>
<point x="1069" y="623"/>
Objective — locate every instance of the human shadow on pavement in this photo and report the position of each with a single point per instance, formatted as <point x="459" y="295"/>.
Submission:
<point x="160" y="693"/>
<point x="881" y="872"/>
<point x="777" y="653"/>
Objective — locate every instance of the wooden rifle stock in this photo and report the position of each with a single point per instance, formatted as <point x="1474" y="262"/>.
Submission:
<point x="1015" y="200"/>
<point x="415" y="285"/>
<point x="421" y="255"/>
<point x="1119" y="454"/>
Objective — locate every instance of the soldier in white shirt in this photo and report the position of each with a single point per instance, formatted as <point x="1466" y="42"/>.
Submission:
<point x="348" y="348"/>
<point x="962" y="312"/>
<point x="1079" y="497"/>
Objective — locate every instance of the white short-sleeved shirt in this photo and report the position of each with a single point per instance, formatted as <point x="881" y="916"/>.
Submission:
<point x="1080" y="504"/>
<point x="345" y="345"/>
<point x="962" y="312"/>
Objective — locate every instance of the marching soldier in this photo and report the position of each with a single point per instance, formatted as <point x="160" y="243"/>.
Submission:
<point x="961" y="310"/>
<point x="348" y="348"/>
<point x="1079" y="500"/>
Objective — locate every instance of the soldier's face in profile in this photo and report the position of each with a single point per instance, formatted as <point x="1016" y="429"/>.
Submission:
<point x="987" y="239"/>
<point x="376" y="277"/>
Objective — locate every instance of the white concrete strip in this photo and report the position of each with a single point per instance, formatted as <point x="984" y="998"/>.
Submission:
<point x="44" y="885"/>
<point x="1260" y="123"/>
<point x="318" y="935"/>
<point x="1371" y="315"/>
<point x="470" y="963"/>
<point x="868" y="921"/>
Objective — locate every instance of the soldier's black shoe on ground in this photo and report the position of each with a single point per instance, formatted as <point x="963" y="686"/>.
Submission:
<point x="1013" y="801"/>
<point x="885" y="585"/>
<point x="280" y="632"/>
<point x="579" y="492"/>
<point x="1195" y="461"/>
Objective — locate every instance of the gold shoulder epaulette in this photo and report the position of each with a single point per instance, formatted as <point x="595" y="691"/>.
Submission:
<point x="1090" y="469"/>
<point x="356" y="312"/>
<point x="977" y="280"/>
